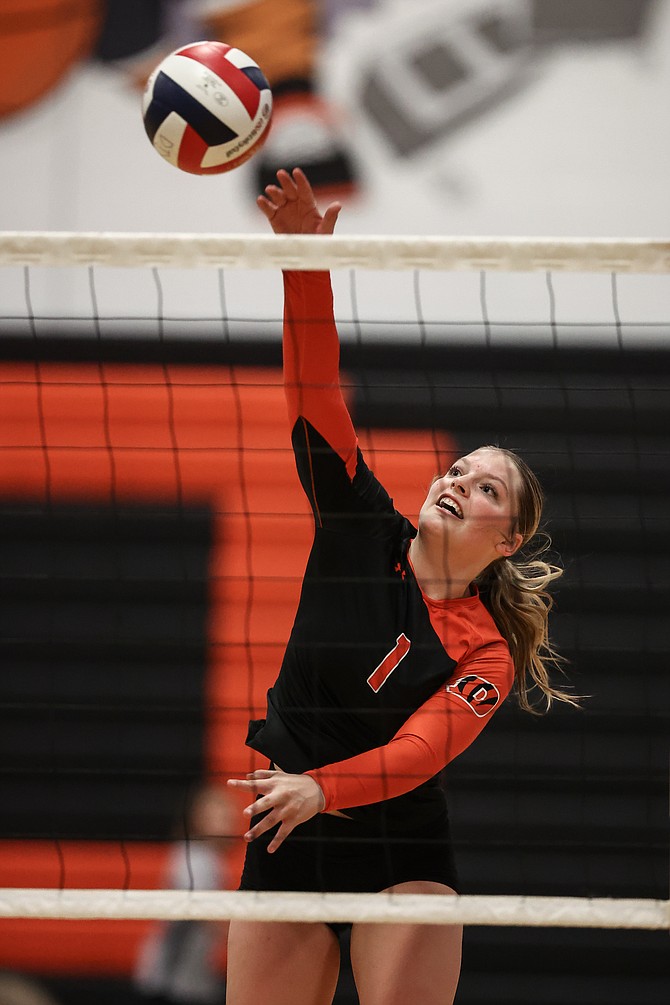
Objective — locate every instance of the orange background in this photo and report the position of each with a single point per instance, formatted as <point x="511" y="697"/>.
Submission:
<point x="129" y="433"/>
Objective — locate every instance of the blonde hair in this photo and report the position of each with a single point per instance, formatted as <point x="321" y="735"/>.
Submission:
<point x="515" y="591"/>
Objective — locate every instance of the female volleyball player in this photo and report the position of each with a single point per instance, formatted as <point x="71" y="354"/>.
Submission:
<point x="405" y="642"/>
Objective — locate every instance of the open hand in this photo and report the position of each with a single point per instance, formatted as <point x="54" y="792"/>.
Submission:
<point x="290" y="206"/>
<point x="286" y="799"/>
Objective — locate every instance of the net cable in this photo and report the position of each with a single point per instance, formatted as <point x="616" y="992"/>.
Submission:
<point x="57" y="249"/>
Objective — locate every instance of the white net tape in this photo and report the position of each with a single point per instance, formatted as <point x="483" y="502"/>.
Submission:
<point x="173" y="905"/>
<point x="308" y="252"/>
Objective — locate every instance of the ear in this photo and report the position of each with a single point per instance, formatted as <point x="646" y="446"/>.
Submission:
<point x="509" y="545"/>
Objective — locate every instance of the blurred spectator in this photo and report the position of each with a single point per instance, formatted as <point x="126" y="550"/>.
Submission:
<point x="177" y="964"/>
<point x="15" y="989"/>
<point x="284" y="38"/>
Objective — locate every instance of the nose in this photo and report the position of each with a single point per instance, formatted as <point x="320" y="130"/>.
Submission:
<point x="458" y="486"/>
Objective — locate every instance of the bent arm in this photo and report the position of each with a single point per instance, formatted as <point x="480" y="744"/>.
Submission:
<point x="441" y="729"/>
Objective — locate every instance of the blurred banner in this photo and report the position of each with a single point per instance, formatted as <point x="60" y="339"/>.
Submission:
<point x="439" y="116"/>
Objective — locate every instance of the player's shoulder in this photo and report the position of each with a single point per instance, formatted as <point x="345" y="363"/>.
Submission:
<point x="483" y="621"/>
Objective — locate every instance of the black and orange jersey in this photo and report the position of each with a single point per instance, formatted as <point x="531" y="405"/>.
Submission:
<point x="380" y="686"/>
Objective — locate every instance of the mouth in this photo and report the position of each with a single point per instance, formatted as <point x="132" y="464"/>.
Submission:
<point x="451" y="506"/>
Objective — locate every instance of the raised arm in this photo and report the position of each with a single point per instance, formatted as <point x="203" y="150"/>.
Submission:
<point x="311" y="342"/>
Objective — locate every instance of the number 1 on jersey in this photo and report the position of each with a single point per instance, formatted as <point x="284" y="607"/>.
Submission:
<point x="381" y="674"/>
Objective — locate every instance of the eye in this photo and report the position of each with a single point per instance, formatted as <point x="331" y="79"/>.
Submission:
<point x="489" y="489"/>
<point x="454" y="471"/>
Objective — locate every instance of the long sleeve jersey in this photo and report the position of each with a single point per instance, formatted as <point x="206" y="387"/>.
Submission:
<point x="380" y="686"/>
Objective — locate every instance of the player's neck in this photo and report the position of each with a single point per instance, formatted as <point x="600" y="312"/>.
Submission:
<point x="435" y="579"/>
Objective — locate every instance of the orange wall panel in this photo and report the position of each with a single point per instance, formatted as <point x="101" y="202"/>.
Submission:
<point x="197" y="434"/>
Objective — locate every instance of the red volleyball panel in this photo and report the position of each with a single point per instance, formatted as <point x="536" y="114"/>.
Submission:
<point x="213" y="56"/>
<point x="235" y="162"/>
<point x="192" y="149"/>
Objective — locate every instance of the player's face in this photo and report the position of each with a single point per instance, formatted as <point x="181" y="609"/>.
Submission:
<point x="471" y="510"/>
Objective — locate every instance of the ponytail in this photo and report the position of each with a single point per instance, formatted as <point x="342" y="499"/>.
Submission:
<point x="515" y="591"/>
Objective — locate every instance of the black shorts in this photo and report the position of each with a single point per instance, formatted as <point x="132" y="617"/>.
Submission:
<point x="337" y="855"/>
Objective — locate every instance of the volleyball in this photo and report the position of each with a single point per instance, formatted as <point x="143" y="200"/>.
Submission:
<point x="207" y="108"/>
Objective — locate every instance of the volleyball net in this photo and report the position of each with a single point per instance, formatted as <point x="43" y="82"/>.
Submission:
<point x="155" y="536"/>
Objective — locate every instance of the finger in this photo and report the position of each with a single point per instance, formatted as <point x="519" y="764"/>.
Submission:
<point x="280" y="837"/>
<point x="262" y="773"/>
<point x="251" y="810"/>
<point x="249" y="785"/>
<point x="330" y="218"/>
<point x="287" y="185"/>
<point x="266" y="207"/>
<point x="302" y="186"/>
<point x="275" y="195"/>
<point x="267" y="823"/>
<point x="260" y="805"/>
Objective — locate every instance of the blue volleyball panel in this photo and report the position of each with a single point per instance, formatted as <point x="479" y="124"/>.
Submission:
<point x="255" y="75"/>
<point x="169" y="97"/>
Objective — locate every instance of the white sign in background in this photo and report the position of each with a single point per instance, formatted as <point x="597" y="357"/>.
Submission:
<point x="572" y="140"/>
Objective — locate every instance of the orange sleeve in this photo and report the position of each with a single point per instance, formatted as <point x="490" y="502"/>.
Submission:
<point x="434" y="735"/>
<point x="312" y="362"/>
